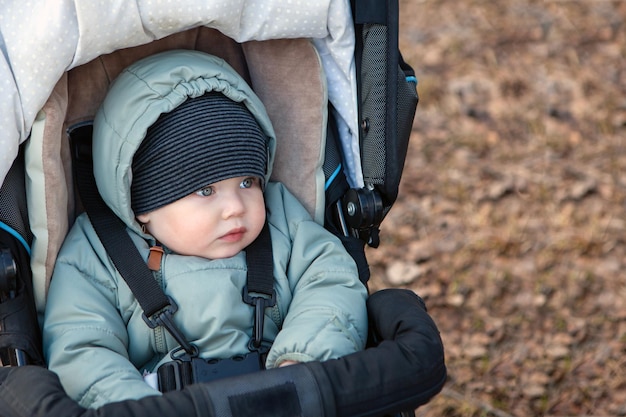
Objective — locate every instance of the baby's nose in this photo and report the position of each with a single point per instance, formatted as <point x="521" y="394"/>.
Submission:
<point x="233" y="206"/>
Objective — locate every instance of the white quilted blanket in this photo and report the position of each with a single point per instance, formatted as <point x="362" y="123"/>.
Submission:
<point x="41" y="39"/>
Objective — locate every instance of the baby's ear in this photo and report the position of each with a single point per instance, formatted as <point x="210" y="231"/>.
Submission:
<point x="143" y="218"/>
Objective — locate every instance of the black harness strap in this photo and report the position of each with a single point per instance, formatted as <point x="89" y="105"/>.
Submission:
<point x="158" y="308"/>
<point x="112" y="231"/>
<point x="259" y="290"/>
<point x="259" y="256"/>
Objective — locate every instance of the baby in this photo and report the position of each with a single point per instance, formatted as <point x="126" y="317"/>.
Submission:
<point x="183" y="151"/>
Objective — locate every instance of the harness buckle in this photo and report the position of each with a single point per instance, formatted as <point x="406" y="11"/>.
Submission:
<point x="259" y="302"/>
<point x="164" y="317"/>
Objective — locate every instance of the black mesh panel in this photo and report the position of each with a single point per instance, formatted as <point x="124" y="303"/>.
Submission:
<point x="13" y="210"/>
<point x="374" y="102"/>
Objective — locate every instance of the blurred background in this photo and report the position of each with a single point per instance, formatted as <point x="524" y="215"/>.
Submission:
<point x="511" y="220"/>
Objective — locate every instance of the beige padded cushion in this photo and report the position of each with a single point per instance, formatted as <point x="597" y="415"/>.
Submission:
<point x="286" y="74"/>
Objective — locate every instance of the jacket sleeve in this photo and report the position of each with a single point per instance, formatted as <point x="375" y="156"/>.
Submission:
<point x="327" y="315"/>
<point x="85" y="336"/>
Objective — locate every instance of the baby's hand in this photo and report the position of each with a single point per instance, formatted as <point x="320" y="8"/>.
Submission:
<point x="287" y="363"/>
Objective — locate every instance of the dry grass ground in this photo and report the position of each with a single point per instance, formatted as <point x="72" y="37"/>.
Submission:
<point x="511" y="220"/>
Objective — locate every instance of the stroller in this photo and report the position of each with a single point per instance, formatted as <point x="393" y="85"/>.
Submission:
<point x="319" y="70"/>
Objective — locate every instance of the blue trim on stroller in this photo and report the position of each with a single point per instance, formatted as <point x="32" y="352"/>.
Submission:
<point x="16" y="235"/>
<point x="332" y="177"/>
<point x="411" y="79"/>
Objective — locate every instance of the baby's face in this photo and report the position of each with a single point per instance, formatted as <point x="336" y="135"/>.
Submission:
<point x="217" y="221"/>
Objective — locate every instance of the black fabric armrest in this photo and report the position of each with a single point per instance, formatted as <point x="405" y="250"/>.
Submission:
<point x="403" y="371"/>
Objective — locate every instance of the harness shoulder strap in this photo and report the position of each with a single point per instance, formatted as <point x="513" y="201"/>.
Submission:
<point x="111" y="230"/>
<point x="259" y="290"/>
<point x="158" y="308"/>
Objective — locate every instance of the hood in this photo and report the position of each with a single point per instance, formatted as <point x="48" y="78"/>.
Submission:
<point x="139" y="95"/>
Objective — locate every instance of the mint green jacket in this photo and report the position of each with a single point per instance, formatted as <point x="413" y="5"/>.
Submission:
<point x="94" y="336"/>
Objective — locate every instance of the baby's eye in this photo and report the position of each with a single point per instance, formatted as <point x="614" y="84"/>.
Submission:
<point x="206" y="191"/>
<point x="248" y="182"/>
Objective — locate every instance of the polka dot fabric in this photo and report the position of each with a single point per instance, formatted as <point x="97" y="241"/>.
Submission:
<point x="43" y="39"/>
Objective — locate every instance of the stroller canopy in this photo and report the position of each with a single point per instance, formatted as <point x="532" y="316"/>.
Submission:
<point x="40" y="40"/>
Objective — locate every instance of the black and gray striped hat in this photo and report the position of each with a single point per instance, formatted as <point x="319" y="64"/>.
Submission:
<point x="204" y="140"/>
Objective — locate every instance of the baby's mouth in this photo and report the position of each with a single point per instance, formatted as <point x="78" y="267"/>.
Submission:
<point x="234" y="235"/>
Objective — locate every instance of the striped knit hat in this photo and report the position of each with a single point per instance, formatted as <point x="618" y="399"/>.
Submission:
<point x="204" y="140"/>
